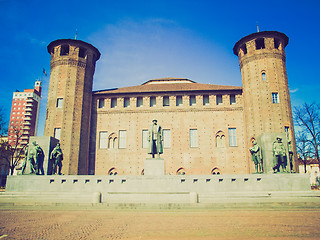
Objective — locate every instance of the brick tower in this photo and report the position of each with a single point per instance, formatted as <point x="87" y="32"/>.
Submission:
<point x="69" y="100"/>
<point x="267" y="106"/>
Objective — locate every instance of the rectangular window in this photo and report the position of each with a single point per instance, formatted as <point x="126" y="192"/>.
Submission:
<point x="139" y="101"/>
<point x="275" y="98"/>
<point x="57" y="133"/>
<point x="232" y="99"/>
<point x="179" y="100"/>
<point x="205" y="99"/>
<point x="166" y="101"/>
<point x="82" y="52"/>
<point x="192" y="100"/>
<point x="126" y="102"/>
<point x="64" y="50"/>
<point x="145" y="143"/>
<point x="232" y="137"/>
<point x="101" y="103"/>
<point x="286" y="129"/>
<point x="153" y="101"/>
<point x="59" y="102"/>
<point x="103" y="139"/>
<point x="193" y="138"/>
<point x="219" y="99"/>
<point x="260" y="43"/>
<point x="166" y="138"/>
<point x="113" y="102"/>
<point x="122" y="139"/>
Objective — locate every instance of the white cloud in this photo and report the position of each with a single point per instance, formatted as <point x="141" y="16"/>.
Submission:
<point x="294" y="90"/>
<point x="134" y="52"/>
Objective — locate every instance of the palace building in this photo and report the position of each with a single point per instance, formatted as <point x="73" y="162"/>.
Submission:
<point x="207" y="129"/>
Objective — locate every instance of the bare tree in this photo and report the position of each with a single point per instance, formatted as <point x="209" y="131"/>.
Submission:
<point x="303" y="148"/>
<point x="307" y="120"/>
<point x="13" y="152"/>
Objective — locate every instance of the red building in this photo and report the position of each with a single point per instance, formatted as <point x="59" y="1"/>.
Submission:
<point x="24" y="115"/>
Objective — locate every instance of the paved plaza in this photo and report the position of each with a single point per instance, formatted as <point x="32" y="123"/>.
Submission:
<point x="61" y="222"/>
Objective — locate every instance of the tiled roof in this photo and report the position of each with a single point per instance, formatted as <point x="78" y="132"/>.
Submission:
<point x="169" y="85"/>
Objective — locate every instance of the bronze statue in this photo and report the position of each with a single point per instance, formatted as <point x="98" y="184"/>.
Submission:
<point x="255" y="151"/>
<point x="34" y="155"/>
<point x="279" y="156"/>
<point x="290" y="156"/>
<point x="155" y="139"/>
<point x="56" y="157"/>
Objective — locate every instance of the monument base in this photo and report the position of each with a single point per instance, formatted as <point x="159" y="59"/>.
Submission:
<point x="192" y="189"/>
<point x="154" y="167"/>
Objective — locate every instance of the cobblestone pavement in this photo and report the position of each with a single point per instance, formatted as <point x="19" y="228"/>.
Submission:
<point x="160" y="224"/>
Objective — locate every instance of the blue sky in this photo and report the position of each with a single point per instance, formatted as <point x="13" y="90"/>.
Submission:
<point x="145" y="39"/>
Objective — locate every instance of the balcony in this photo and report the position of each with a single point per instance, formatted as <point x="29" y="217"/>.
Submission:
<point x="26" y="128"/>
<point x="29" y="104"/>
<point x="25" y="137"/>
<point x="27" y="123"/>
<point x="28" y="114"/>
<point x="27" y="118"/>
<point x="29" y="100"/>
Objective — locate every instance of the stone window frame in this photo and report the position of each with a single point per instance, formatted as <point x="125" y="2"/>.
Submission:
<point x="165" y="101"/>
<point x="219" y="99"/>
<point x="103" y="139"/>
<point x="153" y="101"/>
<point x="232" y="132"/>
<point x="179" y="101"/>
<point x="126" y="102"/>
<point x="112" y="141"/>
<point x="139" y="102"/>
<point x="233" y="100"/>
<point x="220" y="139"/>
<point x="193" y="138"/>
<point x="59" y="103"/>
<point x="113" y="102"/>
<point x="166" y="138"/>
<point x="101" y="103"/>
<point x="192" y="100"/>
<point x="122" y="142"/>
<point x="205" y="100"/>
<point x="275" y="97"/>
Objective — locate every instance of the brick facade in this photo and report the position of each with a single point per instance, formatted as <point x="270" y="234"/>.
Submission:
<point x="207" y="128"/>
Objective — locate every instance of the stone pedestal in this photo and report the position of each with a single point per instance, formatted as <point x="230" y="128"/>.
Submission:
<point x="154" y="167"/>
<point x="265" y="141"/>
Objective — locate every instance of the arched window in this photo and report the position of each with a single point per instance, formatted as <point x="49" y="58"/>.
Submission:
<point x="113" y="171"/>
<point x="263" y="76"/>
<point x="220" y="139"/>
<point x="112" y="141"/>
<point x="215" y="171"/>
<point x="181" y="171"/>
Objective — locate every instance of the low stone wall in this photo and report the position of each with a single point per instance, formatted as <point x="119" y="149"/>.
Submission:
<point x="157" y="189"/>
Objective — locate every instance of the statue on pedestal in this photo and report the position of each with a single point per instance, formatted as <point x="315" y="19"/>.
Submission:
<point x="290" y="156"/>
<point x="155" y="139"/>
<point x="255" y="151"/>
<point x="56" y="157"/>
<point x="34" y="155"/>
<point x="279" y="156"/>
